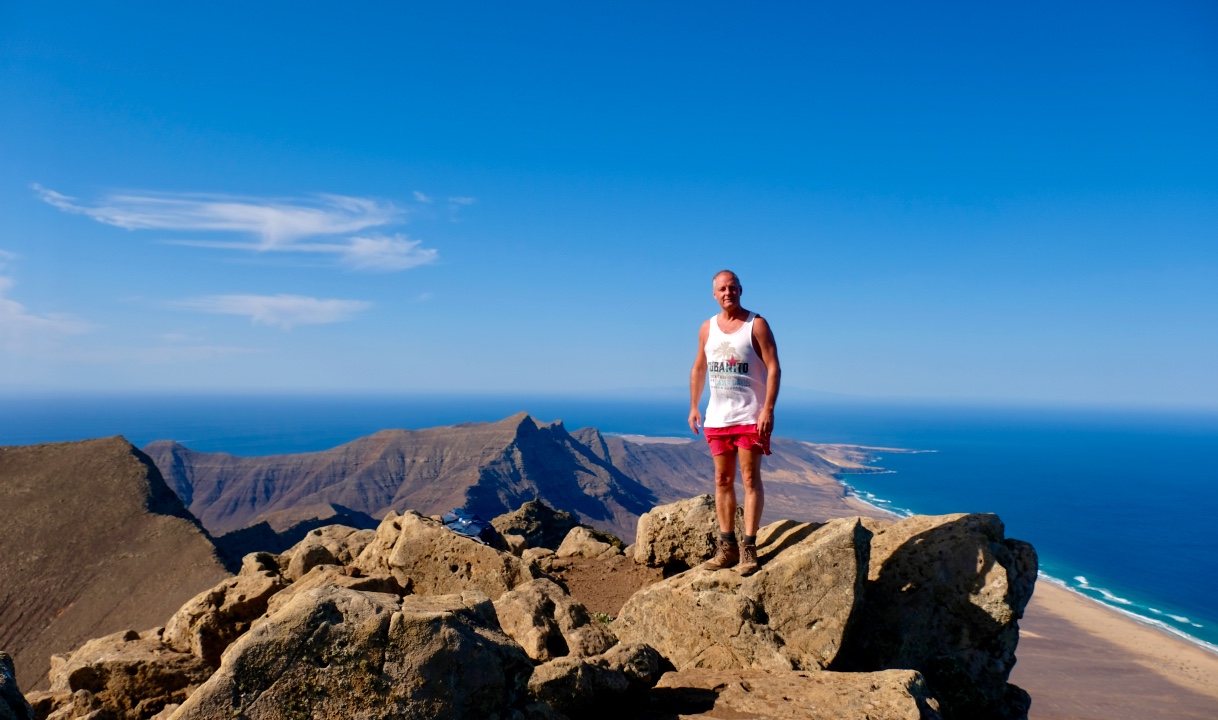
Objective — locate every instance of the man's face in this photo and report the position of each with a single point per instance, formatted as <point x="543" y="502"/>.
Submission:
<point x="727" y="291"/>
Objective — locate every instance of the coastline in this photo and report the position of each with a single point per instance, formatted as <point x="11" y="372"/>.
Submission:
<point x="1083" y="659"/>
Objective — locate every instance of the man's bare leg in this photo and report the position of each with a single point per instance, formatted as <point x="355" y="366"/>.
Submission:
<point x="754" y="495"/>
<point x="725" y="491"/>
<point x="727" y="552"/>
<point x="754" y="500"/>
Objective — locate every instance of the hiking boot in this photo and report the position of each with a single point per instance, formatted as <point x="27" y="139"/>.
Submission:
<point x="726" y="556"/>
<point x="748" y="560"/>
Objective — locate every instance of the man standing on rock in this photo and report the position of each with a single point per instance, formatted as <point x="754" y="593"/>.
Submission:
<point x="737" y="350"/>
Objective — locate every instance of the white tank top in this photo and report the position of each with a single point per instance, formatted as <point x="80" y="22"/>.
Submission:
<point x="737" y="376"/>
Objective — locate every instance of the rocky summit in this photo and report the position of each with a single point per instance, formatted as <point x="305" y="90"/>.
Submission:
<point x="848" y="619"/>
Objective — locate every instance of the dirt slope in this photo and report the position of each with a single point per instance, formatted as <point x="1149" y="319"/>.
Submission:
<point x="92" y="541"/>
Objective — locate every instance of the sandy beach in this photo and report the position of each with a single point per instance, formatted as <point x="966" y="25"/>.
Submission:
<point x="1080" y="660"/>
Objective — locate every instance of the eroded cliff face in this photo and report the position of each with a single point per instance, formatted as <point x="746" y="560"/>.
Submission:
<point x="413" y="621"/>
<point x="94" y="542"/>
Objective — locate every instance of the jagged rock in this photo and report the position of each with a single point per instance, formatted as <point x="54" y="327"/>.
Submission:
<point x="583" y="542"/>
<point x="80" y="704"/>
<point x="12" y="703"/>
<point x="536" y="554"/>
<point x="431" y="560"/>
<point x="810" y="585"/>
<point x="795" y="695"/>
<point x="541" y="525"/>
<point x="330" y="545"/>
<point x="516" y="544"/>
<point x="548" y="623"/>
<point x="680" y="534"/>
<point x="600" y="686"/>
<point x="337" y="576"/>
<point x="127" y="676"/>
<point x="210" y="621"/>
<point x="944" y="595"/>
<point x="701" y="619"/>
<point x="792" y="614"/>
<point x="542" y="559"/>
<point x="336" y="652"/>
<point x="640" y="663"/>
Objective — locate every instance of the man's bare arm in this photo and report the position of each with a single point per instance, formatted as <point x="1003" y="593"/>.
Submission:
<point x="697" y="379"/>
<point x="763" y="343"/>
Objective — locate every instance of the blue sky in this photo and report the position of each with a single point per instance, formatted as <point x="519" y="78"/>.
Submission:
<point x="953" y="201"/>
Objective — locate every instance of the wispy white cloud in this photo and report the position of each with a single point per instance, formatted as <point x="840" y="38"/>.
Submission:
<point x="21" y="329"/>
<point x="420" y="197"/>
<point x="284" y="311"/>
<point x="455" y="204"/>
<point x="374" y="252"/>
<point x="274" y="222"/>
<point x="386" y="253"/>
<point x="276" y="225"/>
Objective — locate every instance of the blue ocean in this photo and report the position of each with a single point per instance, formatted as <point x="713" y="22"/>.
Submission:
<point x="1121" y="506"/>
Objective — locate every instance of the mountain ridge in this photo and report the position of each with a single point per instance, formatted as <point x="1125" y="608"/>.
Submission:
<point x="489" y="468"/>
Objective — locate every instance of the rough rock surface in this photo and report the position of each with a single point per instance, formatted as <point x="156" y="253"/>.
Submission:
<point x="539" y="524"/>
<point x="337" y="576"/>
<point x="335" y="652"/>
<point x="944" y="595"/>
<point x="429" y="559"/>
<point x="607" y="685"/>
<point x="792" y="614"/>
<point x="330" y="545"/>
<point x="127" y="675"/>
<point x="680" y="534"/>
<point x="583" y="542"/>
<point x="795" y="695"/>
<point x="548" y="623"/>
<point x="12" y="703"/>
<point x="210" y="621"/>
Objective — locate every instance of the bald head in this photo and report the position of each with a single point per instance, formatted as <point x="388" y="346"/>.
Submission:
<point x="721" y="273"/>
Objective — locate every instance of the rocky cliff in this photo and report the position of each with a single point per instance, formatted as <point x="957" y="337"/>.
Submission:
<point x="853" y="619"/>
<point x="93" y="542"/>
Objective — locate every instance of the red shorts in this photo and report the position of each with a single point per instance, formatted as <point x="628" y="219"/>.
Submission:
<point x="726" y="439"/>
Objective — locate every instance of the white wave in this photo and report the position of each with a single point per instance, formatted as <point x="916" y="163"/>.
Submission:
<point x="1109" y="596"/>
<point x="1156" y="611"/>
<point x="1180" y="619"/>
<point x="1113" y="598"/>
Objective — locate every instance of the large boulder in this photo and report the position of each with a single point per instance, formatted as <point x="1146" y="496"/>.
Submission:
<point x="944" y="595"/>
<point x="792" y="614"/>
<point x="795" y="695"/>
<point x="548" y="623"/>
<point x="214" y="618"/>
<point x="681" y="534"/>
<point x="610" y="685"/>
<point x="540" y="525"/>
<point x="337" y="576"/>
<point x="336" y="652"/>
<point x="12" y="703"/>
<point x="330" y="545"/>
<point x="429" y="559"/>
<point x="126" y="676"/>
<point x="587" y="543"/>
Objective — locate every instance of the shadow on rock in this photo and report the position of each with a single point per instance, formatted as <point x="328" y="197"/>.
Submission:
<point x="943" y="596"/>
